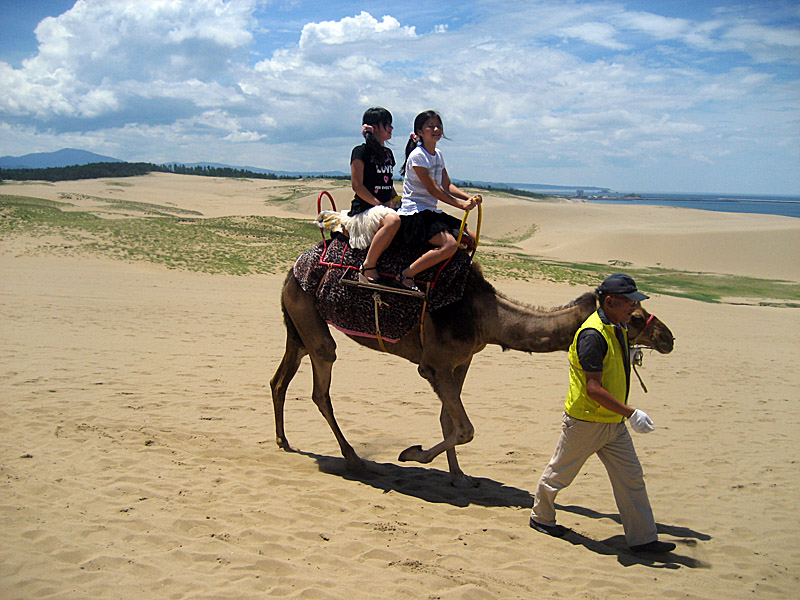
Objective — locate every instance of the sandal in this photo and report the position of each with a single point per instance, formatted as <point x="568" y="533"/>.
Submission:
<point x="362" y="274"/>
<point x="379" y="280"/>
<point x="408" y="283"/>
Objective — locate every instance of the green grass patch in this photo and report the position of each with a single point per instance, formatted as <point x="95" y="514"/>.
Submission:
<point x="245" y="245"/>
<point x="517" y="236"/>
<point x="144" y="208"/>
<point x="230" y="245"/>
<point x="706" y="287"/>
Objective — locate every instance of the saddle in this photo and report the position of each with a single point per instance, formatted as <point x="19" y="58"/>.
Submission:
<point x="353" y="309"/>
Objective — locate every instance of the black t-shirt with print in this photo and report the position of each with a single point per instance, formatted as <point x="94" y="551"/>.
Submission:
<point x="377" y="177"/>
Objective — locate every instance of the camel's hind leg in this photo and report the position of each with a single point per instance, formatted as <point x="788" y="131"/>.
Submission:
<point x="307" y="333"/>
<point x="279" y="383"/>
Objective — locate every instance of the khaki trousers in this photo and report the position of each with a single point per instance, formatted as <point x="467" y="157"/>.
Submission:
<point x="613" y="445"/>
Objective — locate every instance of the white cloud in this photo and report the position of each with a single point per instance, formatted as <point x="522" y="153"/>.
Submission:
<point x="97" y="56"/>
<point x="697" y="157"/>
<point x="601" y="34"/>
<point x="175" y="81"/>
<point x="353" y="29"/>
<point x="244" y="136"/>
<point x="657" y="26"/>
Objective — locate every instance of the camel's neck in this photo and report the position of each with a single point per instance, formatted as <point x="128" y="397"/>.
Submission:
<point x="520" y="327"/>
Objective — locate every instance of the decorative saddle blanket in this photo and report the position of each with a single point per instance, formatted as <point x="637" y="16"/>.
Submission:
<point x="352" y="309"/>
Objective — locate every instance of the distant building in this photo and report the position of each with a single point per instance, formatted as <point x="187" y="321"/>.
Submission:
<point x="579" y="194"/>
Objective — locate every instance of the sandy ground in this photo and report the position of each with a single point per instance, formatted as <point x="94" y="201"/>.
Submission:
<point x="138" y="456"/>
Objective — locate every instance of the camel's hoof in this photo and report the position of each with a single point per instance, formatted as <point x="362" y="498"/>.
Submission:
<point x="415" y="453"/>
<point x="465" y="482"/>
<point x="283" y="444"/>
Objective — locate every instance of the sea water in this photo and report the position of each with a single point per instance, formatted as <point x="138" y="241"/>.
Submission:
<point x="786" y="206"/>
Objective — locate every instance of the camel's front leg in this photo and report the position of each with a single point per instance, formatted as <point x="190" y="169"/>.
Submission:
<point x="457" y="477"/>
<point x="456" y="426"/>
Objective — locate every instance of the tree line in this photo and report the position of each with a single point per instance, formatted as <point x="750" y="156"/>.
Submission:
<point x="502" y="189"/>
<point x="126" y="169"/>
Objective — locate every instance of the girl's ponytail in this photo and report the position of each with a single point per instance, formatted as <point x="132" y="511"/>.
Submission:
<point x="413" y="142"/>
<point x="373" y="146"/>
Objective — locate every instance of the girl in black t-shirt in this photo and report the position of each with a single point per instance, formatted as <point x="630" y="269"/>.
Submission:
<point x="374" y="221"/>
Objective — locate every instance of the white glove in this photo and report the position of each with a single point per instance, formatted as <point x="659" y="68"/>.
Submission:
<point x="640" y="422"/>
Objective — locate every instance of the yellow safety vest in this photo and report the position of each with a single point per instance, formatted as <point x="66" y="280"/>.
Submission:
<point x="615" y="380"/>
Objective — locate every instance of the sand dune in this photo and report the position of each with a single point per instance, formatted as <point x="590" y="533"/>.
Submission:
<point x="139" y="460"/>
<point x="763" y="246"/>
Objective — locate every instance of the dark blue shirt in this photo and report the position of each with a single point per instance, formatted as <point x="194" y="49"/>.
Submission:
<point x="592" y="347"/>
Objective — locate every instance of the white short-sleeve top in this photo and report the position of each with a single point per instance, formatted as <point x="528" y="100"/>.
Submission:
<point x="415" y="196"/>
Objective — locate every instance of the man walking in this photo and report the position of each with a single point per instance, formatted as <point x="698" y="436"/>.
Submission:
<point x="593" y="423"/>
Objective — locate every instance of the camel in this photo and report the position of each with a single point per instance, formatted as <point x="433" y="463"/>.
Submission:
<point x="452" y="336"/>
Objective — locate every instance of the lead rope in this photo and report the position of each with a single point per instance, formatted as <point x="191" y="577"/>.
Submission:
<point x="422" y="315"/>
<point x="636" y="359"/>
<point x="644" y="387"/>
<point x="378" y="301"/>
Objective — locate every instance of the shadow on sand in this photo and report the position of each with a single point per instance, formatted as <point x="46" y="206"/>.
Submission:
<point x="616" y="545"/>
<point x="425" y="483"/>
<point x="433" y="485"/>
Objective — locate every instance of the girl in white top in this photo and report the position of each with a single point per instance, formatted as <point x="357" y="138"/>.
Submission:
<point x="426" y="183"/>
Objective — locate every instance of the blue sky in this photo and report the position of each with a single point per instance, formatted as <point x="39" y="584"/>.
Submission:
<point x="699" y="96"/>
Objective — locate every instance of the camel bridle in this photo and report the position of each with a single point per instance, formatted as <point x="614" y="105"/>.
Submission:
<point x="646" y="325"/>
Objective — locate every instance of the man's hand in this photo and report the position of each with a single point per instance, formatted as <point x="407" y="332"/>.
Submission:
<point x="640" y="422"/>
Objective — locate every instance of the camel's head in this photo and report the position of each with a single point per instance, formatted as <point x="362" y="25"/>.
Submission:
<point x="648" y="330"/>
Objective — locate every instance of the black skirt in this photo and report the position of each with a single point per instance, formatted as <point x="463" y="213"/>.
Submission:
<point x="420" y="227"/>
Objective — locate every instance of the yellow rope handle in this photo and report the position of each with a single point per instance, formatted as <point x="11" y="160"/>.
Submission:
<point x="464" y="226"/>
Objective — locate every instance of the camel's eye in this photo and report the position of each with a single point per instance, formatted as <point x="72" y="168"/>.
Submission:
<point x="637" y="321"/>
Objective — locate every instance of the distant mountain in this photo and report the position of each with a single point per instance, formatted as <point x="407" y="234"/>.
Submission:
<point x="260" y="170"/>
<point x="61" y="158"/>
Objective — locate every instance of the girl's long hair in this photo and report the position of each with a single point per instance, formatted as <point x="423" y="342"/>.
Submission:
<point x="419" y="122"/>
<point x="375" y="116"/>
